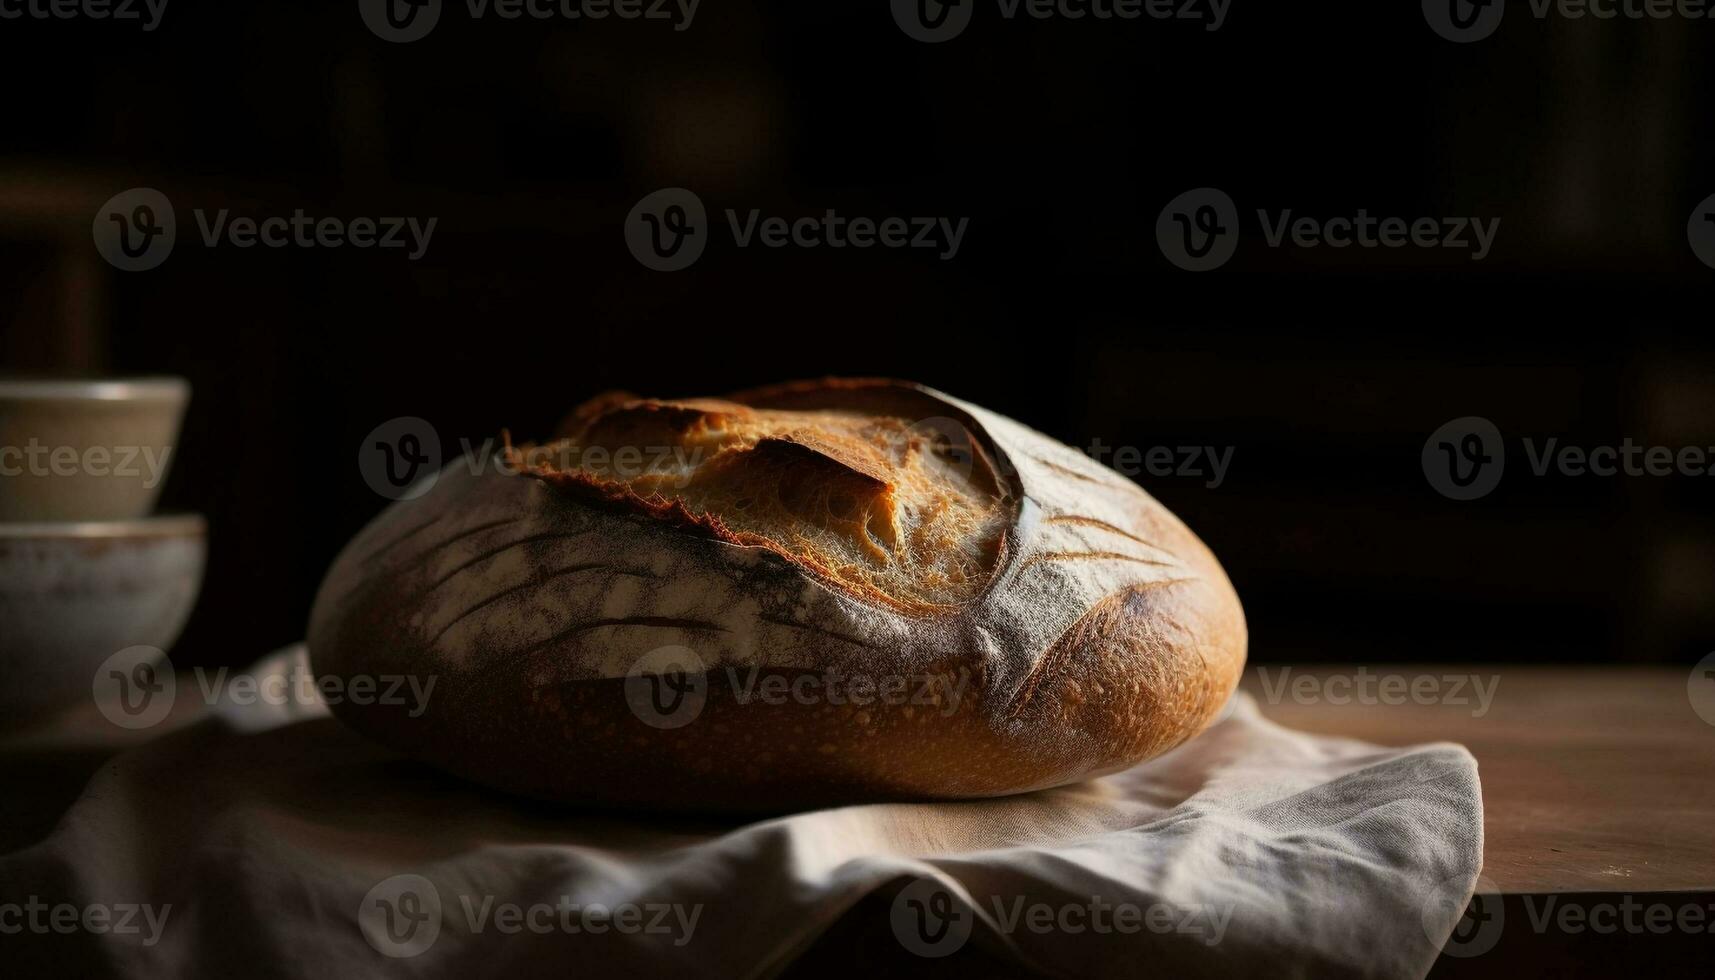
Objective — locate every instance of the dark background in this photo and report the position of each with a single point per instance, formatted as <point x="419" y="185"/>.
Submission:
<point x="1325" y="370"/>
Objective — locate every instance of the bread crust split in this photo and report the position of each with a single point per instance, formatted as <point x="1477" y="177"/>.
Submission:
<point x="857" y="590"/>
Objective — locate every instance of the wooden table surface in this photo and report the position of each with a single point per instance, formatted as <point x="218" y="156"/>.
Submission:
<point x="1594" y="779"/>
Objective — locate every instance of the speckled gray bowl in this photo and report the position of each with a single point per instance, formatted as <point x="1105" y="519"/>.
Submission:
<point x="72" y="595"/>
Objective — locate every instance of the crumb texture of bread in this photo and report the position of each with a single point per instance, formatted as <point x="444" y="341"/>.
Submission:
<point x="898" y="511"/>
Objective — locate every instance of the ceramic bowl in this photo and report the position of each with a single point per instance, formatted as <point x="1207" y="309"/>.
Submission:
<point x="73" y="595"/>
<point x="86" y="450"/>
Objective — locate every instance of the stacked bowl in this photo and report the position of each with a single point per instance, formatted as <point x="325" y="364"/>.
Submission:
<point x="87" y="568"/>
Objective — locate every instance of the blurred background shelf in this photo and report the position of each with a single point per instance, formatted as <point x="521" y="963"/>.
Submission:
<point x="1325" y="370"/>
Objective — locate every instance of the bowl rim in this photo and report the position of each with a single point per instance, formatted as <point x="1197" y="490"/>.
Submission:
<point x="157" y="526"/>
<point x="163" y="388"/>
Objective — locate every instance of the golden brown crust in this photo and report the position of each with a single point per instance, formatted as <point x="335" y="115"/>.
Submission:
<point x="863" y="499"/>
<point x="1106" y="635"/>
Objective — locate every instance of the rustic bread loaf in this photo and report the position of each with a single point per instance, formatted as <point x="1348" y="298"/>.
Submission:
<point x="816" y="593"/>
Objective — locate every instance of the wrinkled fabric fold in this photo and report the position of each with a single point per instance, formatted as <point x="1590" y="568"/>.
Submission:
<point x="268" y="832"/>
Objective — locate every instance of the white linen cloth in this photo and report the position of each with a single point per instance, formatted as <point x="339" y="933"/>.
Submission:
<point x="270" y="841"/>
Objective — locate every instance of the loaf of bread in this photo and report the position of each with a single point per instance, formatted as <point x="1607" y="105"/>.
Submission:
<point x="816" y="593"/>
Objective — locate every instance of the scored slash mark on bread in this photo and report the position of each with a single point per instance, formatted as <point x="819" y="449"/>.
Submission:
<point x="431" y="522"/>
<point x="821" y="630"/>
<point x="400" y="539"/>
<point x="1069" y="556"/>
<point x="1091" y="626"/>
<point x="1083" y="521"/>
<point x="497" y="551"/>
<point x="1074" y="472"/>
<point x="535" y="581"/>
